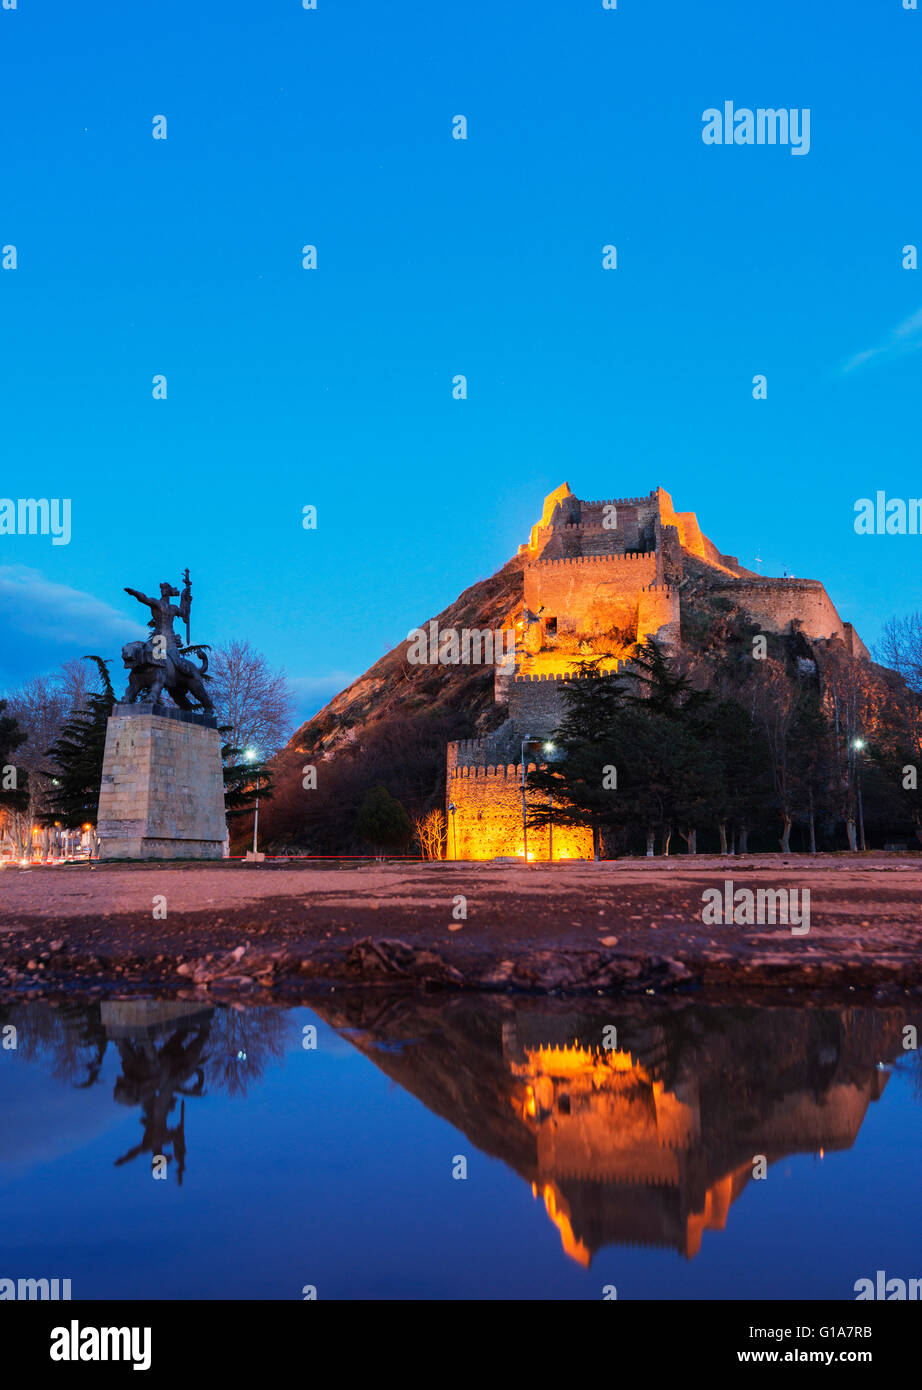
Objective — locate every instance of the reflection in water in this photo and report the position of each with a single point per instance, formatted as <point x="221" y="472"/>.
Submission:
<point x="647" y="1142"/>
<point x="169" y="1050"/>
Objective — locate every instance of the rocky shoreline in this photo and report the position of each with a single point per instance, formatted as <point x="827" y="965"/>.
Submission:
<point x="282" y="931"/>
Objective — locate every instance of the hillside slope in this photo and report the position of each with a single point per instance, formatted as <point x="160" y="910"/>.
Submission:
<point x="390" y="725"/>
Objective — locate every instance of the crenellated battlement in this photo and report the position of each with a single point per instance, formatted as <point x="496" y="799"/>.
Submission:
<point x="768" y="582"/>
<point x="628" y="557"/>
<point x="566" y="675"/>
<point x="623" y="501"/>
<point x="504" y="770"/>
<point x="468" y="747"/>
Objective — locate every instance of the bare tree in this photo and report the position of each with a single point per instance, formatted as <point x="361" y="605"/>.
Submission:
<point x="900" y="648"/>
<point x="76" y="681"/>
<point x="39" y="708"/>
<point x="252" y="700"/>
<point x="430" y="833"/>
<point x="848" y="706"/>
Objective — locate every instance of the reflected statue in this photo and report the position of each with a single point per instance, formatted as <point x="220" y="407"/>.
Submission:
<point x="169" y="1051"/>
<point x="153" y="1076"/>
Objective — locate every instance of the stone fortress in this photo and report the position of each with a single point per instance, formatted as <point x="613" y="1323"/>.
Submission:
<point x="598" y="577"/>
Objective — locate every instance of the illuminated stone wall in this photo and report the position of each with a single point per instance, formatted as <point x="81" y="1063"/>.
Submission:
<point x="570" y="527"/>
<point x="658" y="613"/>
<point x="487" y="822"/>
<point x="562" y="510"/>
<point x="589" y="594"/>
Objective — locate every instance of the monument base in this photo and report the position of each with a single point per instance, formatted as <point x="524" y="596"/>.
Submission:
<point x="162" y="794"/>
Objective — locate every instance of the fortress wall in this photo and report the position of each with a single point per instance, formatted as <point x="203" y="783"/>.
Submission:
<point x="625" y="535"/>
<point x="571" y="527"/>
<point x="536" y="703"/>
<point x="634" y="516"/>
<point x="554" y="534"/>
<point x="466" y="752"/>
<point x="586" y="591"/>
<point x="673" y="566"/>
<point x="854" y="643"/>
<point x="487" y="821"/>
<point x="778" y="602"/>
<point x="584" y="538"/>
<point x="658" y="613"/>
<point x="536" y="707"/>
<point x="686" y="523"/>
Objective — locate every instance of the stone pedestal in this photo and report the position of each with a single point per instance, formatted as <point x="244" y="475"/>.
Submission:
<point x="162" y="794"/>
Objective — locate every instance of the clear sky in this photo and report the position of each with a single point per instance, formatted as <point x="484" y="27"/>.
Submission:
<point x="437" y="256"/>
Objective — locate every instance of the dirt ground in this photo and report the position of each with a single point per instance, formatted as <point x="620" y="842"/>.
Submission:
<point x="232" y="928"/>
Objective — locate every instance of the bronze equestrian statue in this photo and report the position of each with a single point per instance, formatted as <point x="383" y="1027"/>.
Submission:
<point x="160" y="663"/>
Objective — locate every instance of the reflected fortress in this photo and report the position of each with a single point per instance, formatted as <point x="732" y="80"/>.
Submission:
<point x="649" y="1143"/>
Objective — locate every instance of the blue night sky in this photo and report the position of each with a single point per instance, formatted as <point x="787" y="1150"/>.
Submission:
<point x="435" y="257"/>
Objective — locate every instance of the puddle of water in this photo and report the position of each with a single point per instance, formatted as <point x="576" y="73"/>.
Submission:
<point x="592" y="1158"/>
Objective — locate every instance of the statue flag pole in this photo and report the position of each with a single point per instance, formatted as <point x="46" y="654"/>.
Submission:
<point x="188" y="638"/>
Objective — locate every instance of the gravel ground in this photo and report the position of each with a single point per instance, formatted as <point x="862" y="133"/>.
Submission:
<point x="279" y="928"/>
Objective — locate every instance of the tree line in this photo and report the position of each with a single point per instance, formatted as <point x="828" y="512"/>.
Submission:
<point x="53" y="735"/>
<point x="826" y="748"/>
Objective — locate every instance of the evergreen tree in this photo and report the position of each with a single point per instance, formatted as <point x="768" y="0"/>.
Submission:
<point x="580" y="779"/>
<point x="675" y="718"/>
<point x="663" y="689"/>
<point x="627" y="759"/>
<point x="735" y="749"/>
<point x="666" y="781"/>
<point x="73" y="796"/>
<point x="14" y="791"/>
<point x="244" y="780"/>
<point x="811" y="752"/>
<point x="382" y="820"/>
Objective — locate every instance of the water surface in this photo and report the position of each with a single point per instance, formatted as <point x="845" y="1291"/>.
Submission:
<point x="332" y="1165"/>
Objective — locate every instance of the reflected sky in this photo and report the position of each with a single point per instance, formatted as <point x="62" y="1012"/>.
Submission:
<point x="629" y="1164"/>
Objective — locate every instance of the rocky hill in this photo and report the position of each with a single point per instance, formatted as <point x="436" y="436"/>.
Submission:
<point x="392" y="724"/>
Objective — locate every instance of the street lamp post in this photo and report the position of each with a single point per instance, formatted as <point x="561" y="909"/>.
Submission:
<point x="528" y="739"/>
<point x="251" y="756"/>
<point x="858" y="744"/>
<point x="548" y="748"/>
<point x="454" y="838"/>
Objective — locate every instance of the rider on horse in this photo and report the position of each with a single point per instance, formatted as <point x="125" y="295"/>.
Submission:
<point x="163" y="643"/>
